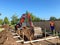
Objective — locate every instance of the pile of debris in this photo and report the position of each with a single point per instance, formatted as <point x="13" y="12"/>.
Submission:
<point x="6" y="38"/>
<point x="28" y="33"/>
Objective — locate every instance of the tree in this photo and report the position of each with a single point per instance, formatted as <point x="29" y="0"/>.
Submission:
<point x="52" y="18"/>
<point x="1" y="21"/>
<point x="37" y="20"/>
<point x="14" y="19"/>
<point x="6" y="21"/>
<point x="34" y="18"/>
<point x="0" y="14"/>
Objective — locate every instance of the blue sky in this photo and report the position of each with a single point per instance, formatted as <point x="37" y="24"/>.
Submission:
<point x="41" y="8"/>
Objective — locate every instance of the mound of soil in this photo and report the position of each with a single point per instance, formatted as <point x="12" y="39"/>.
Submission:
<point x="6" y="38"/>
<point x="28" y="33"/>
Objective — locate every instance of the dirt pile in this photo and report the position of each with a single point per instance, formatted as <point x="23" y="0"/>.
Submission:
<point x="28" y="33"/>
<point x="6" y="38"/>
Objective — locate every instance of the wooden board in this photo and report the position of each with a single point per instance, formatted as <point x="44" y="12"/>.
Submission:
<point x="41" y="39"/>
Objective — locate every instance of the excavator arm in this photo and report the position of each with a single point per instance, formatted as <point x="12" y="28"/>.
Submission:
<point x="22" y="19"/>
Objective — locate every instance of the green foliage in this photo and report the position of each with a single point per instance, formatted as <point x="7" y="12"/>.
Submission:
<point x="1" y="21"/>
<point x="26" y="12"/>
<point x="6" y="21"/>
<point x="33" y="18"/>
<point x="37" y="20"/>
<point x="14" y="19"/>
<point x="0" y="14"/>
<point x="52" y="18"/>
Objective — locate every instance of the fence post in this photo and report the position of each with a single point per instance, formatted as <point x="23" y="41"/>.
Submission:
<point x="54" y="32"/>
<point x="45" y="32"/>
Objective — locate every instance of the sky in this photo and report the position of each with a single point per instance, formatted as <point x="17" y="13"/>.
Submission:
<point x="43" y="9"/>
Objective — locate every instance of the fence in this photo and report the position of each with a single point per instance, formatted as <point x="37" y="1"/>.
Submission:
<point x="45" y="24"/>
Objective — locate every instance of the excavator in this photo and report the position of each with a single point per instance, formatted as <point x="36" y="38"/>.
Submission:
<point x="25" y="21"/>
<point x="25" y="26"/>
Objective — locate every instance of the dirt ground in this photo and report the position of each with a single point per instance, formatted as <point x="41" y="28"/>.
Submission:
<point x="6" y="38"/>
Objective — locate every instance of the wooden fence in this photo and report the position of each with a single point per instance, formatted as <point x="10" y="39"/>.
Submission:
<point x="46" y="24"/>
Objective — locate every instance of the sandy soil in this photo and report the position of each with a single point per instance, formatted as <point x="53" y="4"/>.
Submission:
<point x="6" y="38"/>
